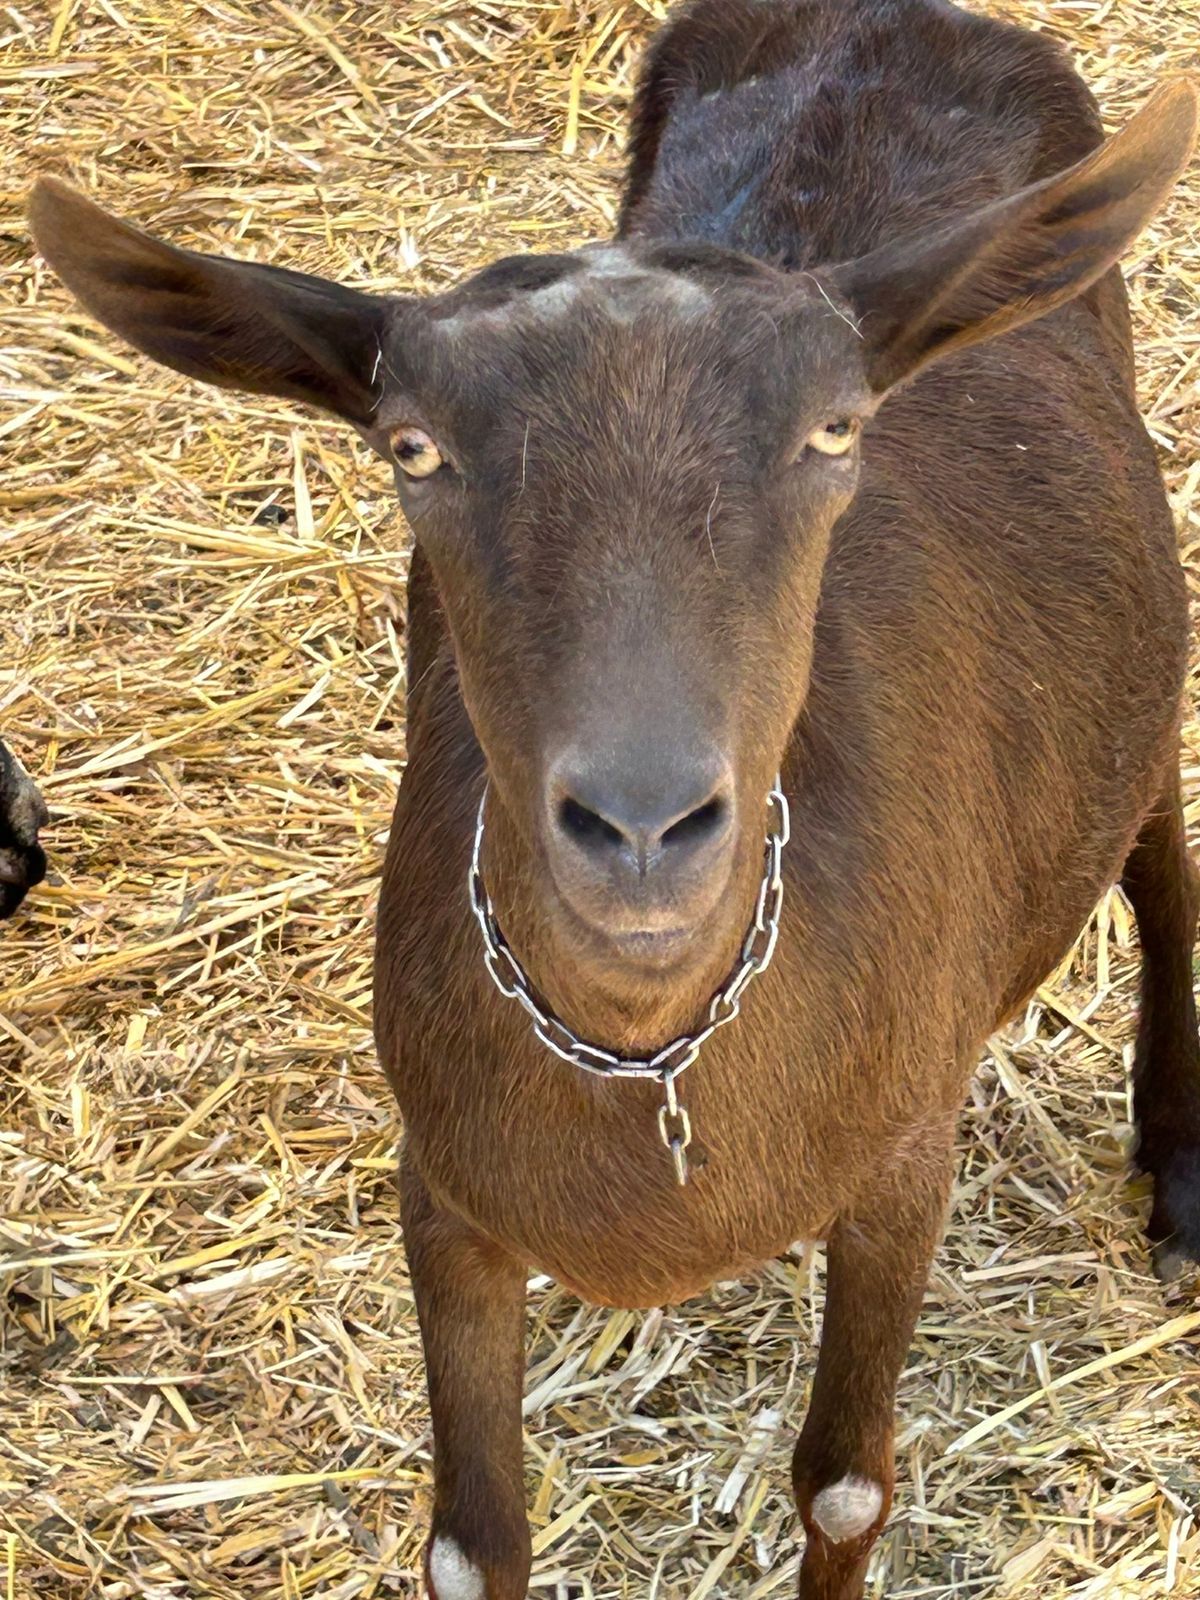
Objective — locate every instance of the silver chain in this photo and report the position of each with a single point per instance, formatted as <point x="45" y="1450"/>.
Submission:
<point x="667" y="1064"/>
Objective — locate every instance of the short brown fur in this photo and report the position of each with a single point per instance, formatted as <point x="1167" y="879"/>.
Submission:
<point x="823" y="198"/>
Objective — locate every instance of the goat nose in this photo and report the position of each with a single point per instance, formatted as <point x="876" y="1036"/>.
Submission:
<point x="643" y="824"/>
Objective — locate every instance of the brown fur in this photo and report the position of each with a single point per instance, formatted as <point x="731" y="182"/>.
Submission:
<point x="625" y="547"/>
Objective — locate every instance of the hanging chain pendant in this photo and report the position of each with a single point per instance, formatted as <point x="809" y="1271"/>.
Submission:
<point x="675" y="1127"/>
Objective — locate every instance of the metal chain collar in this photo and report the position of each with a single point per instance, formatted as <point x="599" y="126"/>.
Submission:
<point x="667" y="1064"/>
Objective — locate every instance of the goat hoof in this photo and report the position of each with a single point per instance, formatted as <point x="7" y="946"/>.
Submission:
<point x="1174" y="1227"/>
<point x="22" y="813"/>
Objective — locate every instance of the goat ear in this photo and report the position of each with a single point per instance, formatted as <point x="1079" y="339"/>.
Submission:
<point x="233" y="323"/>
<point x="1019" y="257"/>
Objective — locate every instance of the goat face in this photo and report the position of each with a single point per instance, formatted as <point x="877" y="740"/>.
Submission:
<point x="624" y="466"/>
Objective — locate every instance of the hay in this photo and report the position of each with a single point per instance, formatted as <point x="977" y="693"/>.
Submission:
<point x="211" y="1383"/>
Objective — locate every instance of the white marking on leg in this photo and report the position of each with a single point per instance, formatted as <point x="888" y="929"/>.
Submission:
<point x="847" y="1508"/>
<point x="452" y="1575"/>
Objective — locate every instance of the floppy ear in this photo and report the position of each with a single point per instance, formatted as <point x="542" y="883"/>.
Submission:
<point x="1019" y="257"/>
<point x="232" y="323"/>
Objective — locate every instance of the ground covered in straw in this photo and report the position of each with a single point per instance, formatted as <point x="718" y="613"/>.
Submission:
<point x="208" y="1356"/>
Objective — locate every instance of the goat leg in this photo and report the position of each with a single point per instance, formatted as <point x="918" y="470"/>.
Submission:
<point x="843" y="1469"/>
<point x="470" y="1298"/>
<point x="1161" y="883"/>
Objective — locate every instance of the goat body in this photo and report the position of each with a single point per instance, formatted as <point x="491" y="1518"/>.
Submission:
<point x="830" y="464"/>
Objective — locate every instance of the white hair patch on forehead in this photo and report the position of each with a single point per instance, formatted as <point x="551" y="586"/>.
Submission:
<point x="685" y="294"/>
<point x="613" y="263"/>
<point x="625" y="298"/>
<point x="610" y="281"/>
<point x="554" y="300"/>
<point x="609" y="261"/>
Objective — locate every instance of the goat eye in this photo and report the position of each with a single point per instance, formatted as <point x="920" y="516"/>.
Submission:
<point x="835" y="438"/>
<point x="416" y="453"/>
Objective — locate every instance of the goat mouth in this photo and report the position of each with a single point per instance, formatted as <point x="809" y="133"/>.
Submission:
<point x="621" y="933"/>
<point x="655" y="947"/>
<point x="632" y="940"/>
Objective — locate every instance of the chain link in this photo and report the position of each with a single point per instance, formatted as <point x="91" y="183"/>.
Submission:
<point x="667" y="1064"/>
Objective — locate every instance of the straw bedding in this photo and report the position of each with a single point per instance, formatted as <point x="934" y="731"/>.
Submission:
<point x="209" y="1367"/>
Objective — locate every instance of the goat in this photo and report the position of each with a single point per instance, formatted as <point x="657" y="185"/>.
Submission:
<point x="23" y="814"/>
<point x="824" y="467"/>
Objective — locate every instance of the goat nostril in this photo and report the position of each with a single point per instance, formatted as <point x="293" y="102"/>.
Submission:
<point x="592" y="831"/>
<point x="586" y="827"/>
<point x="693" y="828"/>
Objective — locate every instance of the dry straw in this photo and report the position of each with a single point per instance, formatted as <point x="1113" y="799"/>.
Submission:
<point x="208" y="1355"/>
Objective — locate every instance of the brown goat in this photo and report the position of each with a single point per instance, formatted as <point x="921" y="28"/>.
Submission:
<point x="684" y="520"/>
